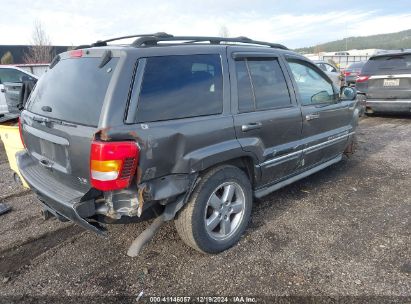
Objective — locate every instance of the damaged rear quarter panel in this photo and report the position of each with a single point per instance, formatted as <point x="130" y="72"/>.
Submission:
<point x="182" y="146"/>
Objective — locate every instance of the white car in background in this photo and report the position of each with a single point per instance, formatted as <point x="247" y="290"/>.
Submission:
<point x="10" y="74"/>
<point x="331" y="71"/>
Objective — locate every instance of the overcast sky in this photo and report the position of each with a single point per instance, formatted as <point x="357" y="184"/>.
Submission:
<point x="291" y="22"/>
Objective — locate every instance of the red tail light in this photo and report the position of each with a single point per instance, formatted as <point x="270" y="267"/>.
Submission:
<point x="76" y="53"/>
<point x="347" y="73"/>
<point x="362" y="78"/>
<point x="21" y="134"/>
<point x="113" y="164"/>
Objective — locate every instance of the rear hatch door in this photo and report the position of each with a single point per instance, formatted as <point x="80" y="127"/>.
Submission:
<point x="63" y="113"/>
<point x="390" y="77"/>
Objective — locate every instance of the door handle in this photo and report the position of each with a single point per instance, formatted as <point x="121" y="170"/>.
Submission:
<point x="251" y="126"/>
<point x="312" y="116"/>
<point x="3" y="90"/>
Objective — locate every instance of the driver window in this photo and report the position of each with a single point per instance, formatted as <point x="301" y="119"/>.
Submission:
<point x="312" y="86"/>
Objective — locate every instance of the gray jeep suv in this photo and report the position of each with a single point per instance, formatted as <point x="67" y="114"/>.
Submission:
<point x="184" y="128"/>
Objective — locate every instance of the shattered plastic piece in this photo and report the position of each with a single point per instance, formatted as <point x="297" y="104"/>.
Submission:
<point x="4" y="208"/>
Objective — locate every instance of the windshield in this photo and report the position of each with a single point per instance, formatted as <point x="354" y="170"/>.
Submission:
<point x="73" y="90"/>
<point x="388" y="63"/>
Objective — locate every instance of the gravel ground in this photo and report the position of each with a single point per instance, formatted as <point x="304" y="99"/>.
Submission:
<point x="341" y="234"/>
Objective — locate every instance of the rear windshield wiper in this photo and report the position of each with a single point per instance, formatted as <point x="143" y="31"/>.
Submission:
<point x="53" y="120"/>
<point x="41" y="119"/>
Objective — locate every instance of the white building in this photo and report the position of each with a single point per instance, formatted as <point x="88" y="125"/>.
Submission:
<point x="344" y="58"/>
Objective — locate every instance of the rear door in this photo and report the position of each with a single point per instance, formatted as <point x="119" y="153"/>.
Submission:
<point x="326" y="120"/>
<point x="63" y="114"/>
<point x="3" y="104"/>
<point x="267" y="120"/>
<point x="390" y="77"/>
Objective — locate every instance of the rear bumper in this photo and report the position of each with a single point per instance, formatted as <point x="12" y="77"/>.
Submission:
<point x="57" y="197"/>
<point x="389" y="106"/>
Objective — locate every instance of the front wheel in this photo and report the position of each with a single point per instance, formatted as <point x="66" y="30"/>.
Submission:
<point x="217" y="212"/>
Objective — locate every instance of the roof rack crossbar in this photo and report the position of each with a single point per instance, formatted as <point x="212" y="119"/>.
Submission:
<point x="147" y="40"/>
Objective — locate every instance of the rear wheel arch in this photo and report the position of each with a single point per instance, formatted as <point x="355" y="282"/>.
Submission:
<point x="244" y="163"/>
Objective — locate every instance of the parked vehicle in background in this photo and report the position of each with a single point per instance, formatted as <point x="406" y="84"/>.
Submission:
<point x="385" y="81"/>
<point x="331" y="71"/>
<point x="37" y="69"/>
<point x="13" y="77"/>
<point x="342" y="54"/>
<point x="193" y="129"/>
<point x="352" y="71"/>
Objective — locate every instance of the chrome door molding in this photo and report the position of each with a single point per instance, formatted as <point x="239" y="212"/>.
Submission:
<point x="310" y="149"/>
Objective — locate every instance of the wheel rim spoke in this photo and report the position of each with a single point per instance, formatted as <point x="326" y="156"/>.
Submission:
<point x="237" y="207"/>
<point x="214" y="201"/>
<point x="225" y="227"/>
<point x="213" y="221"/>
<point x="228" y="193"/>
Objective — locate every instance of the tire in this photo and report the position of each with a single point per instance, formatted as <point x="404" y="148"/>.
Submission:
<point x="207" y="205"/>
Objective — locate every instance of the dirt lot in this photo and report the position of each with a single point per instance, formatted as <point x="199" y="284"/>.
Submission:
<point x="344" y="231"/>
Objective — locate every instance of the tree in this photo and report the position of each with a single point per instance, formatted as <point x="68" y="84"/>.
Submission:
<point x="41" y="50"/>
<point x="223" y="32"/>
<point x="7" y="58"/>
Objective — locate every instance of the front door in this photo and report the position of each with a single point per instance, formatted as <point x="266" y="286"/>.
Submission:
<point x="326" y="119"/>
<point x="268" y="121"/>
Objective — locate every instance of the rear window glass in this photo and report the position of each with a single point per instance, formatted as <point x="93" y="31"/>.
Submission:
<point x="184" y="86"/>
<point x="388" y="63"/>
<point x="261" y="85"/>
<point x="74" y="89"/>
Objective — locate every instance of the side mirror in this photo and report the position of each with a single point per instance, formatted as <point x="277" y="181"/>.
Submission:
<point x="348" y="93"/>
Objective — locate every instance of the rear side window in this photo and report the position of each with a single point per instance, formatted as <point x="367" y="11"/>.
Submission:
<point x="176" y="87"/>
<point x="74" y="89"/>
<point x="261" y="85"/>
<point x="387" y="64"/>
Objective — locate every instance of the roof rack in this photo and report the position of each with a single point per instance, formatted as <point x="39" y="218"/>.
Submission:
<point x="104" y="42"/>
<point x="151" y="40"/>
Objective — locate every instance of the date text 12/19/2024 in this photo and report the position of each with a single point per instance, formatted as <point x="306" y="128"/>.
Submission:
<point x="201" y="299"/>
